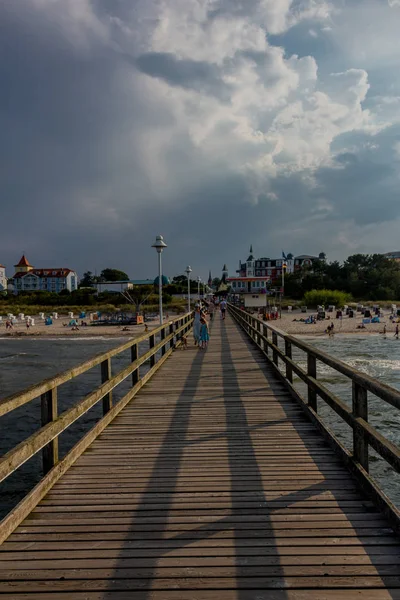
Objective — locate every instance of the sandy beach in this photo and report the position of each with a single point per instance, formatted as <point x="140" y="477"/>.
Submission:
<point x="291" y="324"/>
<point x="60" y="328"/>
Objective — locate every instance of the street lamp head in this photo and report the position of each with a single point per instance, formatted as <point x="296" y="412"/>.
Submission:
<point x="159" y="244"/>
<point x="188" y="270"/>
<point x="198" y="278"/>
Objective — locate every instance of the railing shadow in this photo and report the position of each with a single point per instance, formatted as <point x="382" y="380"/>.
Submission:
<point x="368" y="537"/>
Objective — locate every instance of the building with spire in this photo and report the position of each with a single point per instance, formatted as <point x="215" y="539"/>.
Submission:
<point x="29" y="279"/>
<point x="224" y="273"/>
<point x="209" y="279"/>
<point x="255" y="277"/>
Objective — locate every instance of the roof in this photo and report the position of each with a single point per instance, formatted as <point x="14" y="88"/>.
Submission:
<point x="2" y="267"/>
<point x="23" y="262"/>
<point x="259" y="278"/>
<point x="45" y="273"/>
<point x="142" y="281"/>
<point x="306" y="256"/>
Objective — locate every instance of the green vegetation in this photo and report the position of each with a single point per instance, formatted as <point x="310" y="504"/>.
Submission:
<point x="326" y="297"/>
<point x="145" y="299"/>
<point x="365" y="277"/>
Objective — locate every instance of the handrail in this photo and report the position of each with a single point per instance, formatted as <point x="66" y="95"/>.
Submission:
<point x="364" y="434"/>
<point x="36" y="390"/>
<point x="46" y="438"/>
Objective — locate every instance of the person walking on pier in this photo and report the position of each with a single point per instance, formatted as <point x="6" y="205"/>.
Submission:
<point x="204" y="335"/>
<point x="196" y="324"/>
<point x="211" y="310"/>
<point x="222" y="307"/>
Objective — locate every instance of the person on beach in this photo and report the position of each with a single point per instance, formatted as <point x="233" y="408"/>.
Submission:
<point x="197" y="324"/>
<point x="384" y="331"/>
<point x="204" y="335"/>
<point x="396" y="334"/>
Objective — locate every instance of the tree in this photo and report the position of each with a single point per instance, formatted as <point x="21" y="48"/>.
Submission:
<point x="180" y="280"/>
<point x="216" y="282"/>
<point x="87" y="280"/>
<point x="113" y="275"/>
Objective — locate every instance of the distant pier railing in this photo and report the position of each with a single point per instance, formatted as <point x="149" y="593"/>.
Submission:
<point x="267" y="337"/>
<point x="161" y="341"/>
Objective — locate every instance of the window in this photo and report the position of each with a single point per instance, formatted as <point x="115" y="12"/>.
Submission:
<point x="234" y="284"/>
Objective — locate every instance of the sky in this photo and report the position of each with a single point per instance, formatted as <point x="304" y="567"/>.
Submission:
<point x="216" y="123"/>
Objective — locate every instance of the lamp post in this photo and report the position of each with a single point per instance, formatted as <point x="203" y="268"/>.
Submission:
<point x="283" y="287"/>
<point x="198" y="286"/>
<point x="159" y="245"/>
<point x="188" y="271"/>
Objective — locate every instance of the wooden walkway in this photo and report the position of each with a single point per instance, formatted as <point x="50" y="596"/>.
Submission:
<point x="211" y="484"/>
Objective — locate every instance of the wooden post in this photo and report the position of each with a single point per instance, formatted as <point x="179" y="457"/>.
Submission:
<point x="134" y="356"/>
<point x="171" y="331"/>
<point x="163" y="338"/>
<point x="49" y="413"/>
<point x="312" y="372"/>
<point x="265" y="333"/>
<point x="288" y="353"/>
<point x="274" y="352"/>
<point x="259" y="331"/>
<point x="360" y="409"/>
<point x="106" y="376"/>
<point x="151" y="345"/>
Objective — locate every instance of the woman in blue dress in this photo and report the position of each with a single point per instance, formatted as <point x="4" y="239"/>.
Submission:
<point x="204" y="335"/>
<point x="197" y="325"/>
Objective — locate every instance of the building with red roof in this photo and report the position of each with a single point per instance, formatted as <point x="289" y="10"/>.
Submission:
<point x="29" y="279"/>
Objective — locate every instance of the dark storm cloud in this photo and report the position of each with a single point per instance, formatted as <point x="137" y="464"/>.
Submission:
<point x="106" y="142"/>
<point x="189" y="74"/>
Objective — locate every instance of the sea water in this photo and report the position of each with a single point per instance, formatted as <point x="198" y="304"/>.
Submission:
<point x="24" y="362"/>
<point x="379" y="357"/>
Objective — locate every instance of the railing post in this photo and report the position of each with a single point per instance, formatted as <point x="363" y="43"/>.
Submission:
<point x="265" y="333"/>
<point x="312" y="372"/>
<point x="171" y="331"/>
<point x="106" y="376"/>
<point x="288" y="353"/>
<point x="259" y="331"/>
<point x="152" y="341"/>
<point x="49" y="413"/>
<point x="134" y="356"/>
<point x="274" y="352"/>
<point x="163" y="338"/>
<point x="360" y="410"/>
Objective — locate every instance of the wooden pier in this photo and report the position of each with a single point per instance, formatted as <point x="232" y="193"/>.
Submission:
<point x="212" y="482"/>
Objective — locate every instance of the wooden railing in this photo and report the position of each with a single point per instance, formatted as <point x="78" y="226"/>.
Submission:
<point x="45" y="439"/>
<point x="267" y="337"/>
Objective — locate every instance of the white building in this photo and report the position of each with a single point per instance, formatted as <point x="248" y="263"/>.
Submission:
<point x="121" y="286"/>
<point x="3" y="278"/>
<point x="29" y="279"/>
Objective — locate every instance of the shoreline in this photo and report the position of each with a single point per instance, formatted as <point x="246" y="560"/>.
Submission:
<point x="60" y="329"/>
<point x="346" y="326"/>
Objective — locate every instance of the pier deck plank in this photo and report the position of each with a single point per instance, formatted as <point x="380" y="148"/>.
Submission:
<point x="210" y="484"/>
